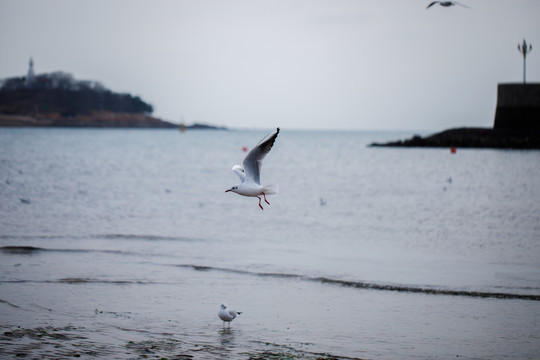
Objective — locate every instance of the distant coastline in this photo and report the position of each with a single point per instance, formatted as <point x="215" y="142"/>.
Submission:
<point x="102" y="119"/>
<point x="95" y="119"/>
<point x="59" y="100"/>
<point x="473" y="138"/>
<point x="516" y="124"/>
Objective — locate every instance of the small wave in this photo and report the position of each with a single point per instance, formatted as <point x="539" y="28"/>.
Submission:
<point x="19" y="249"/>
<point x="32" y="250"/>
<point x="10" y="304"/>
<point x="373" y="286"/>
<point x="429" y="291"/>
<point x="77" y="280"/>
<point x="144" y="237"/>
<point x="101" y="281"/>
<point x="31" y="237"/>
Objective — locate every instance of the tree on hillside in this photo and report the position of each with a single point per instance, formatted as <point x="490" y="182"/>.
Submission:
<point x="61" y="93"/>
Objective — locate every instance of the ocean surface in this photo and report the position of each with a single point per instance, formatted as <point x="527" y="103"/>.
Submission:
<point x="123" y="244"/>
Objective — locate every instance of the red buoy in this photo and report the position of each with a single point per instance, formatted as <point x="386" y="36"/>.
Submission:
<point x="453" y="150"/>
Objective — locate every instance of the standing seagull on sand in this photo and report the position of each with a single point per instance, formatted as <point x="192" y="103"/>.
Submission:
<point x="227" y="315"/>
<point x="446" y="4"/>
<point x="250" y="173"/>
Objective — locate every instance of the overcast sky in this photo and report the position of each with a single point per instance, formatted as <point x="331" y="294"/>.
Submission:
<point x="332" y="64"/>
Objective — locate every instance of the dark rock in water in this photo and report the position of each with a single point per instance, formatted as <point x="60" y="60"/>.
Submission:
<point x="25" y="201"/>
<point x="474" y="138"/>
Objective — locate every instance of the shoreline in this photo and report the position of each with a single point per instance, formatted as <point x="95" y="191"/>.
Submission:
<point x="72" y="341"/>
<point x="101" y="119"/>
<point x="473" y="138"/>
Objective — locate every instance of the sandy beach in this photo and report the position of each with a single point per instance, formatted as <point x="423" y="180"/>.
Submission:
<point x="78" y="342"/>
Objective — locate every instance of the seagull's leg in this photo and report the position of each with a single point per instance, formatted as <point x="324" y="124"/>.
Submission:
<point x="260" y="203"/>
<point x="265" y="199"/>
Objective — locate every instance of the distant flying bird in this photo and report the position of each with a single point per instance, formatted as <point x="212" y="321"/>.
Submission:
<point x="250" y="173"/>
<point x="227" y="315"/>
<point x="446" y="4"/>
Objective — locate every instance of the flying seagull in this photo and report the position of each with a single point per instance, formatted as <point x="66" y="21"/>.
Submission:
<point x="446" y="4"/>
<point x="250" y="173"/>
<point x="227" y="315"/>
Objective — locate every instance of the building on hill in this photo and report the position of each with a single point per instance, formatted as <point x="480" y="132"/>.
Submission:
<point x="60" y="94"/>
<point x="30" y="76"/>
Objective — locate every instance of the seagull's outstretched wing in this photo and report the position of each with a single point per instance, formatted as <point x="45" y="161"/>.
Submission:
<point x="239" y="170"/>
<point x="253" y="161"/>
<point x="430" y="5"/>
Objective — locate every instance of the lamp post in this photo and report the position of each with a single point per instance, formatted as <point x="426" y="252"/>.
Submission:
<point x="524" y="49"/>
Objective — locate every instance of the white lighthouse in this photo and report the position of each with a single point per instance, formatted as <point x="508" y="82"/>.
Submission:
<point x="30" y="77"/>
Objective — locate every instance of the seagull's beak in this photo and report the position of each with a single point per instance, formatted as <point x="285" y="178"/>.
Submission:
<point x="228" y="190"/>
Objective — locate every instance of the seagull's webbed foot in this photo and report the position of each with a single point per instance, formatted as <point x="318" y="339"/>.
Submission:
<point x="265" y="199"/>
<point x="260" y="203"/>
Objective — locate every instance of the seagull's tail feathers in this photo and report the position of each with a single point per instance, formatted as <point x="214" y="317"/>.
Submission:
<point x="271" y="189"/>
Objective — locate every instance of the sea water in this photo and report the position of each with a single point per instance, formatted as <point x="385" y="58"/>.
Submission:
<point x="125" y="241"/>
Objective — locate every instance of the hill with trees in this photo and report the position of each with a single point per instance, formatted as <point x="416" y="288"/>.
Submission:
<point x="58" y="99"/>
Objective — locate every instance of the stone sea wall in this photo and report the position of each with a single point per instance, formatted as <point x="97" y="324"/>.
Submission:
<point x="518" y="107"/>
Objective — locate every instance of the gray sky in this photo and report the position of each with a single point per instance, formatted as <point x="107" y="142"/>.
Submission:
<point x="332" y="64"/>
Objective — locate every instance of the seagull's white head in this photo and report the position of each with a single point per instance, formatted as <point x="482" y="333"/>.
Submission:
<point x="233" y="189"/>
<point x="223" y="306"/>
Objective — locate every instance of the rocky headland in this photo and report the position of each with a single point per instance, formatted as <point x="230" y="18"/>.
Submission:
<point x="473" y="138"/>
<point x="59" y="100"/>
<point x="516" y="124"/>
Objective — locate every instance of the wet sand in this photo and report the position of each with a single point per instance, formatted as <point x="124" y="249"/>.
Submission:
<point x="77" y="342"/>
